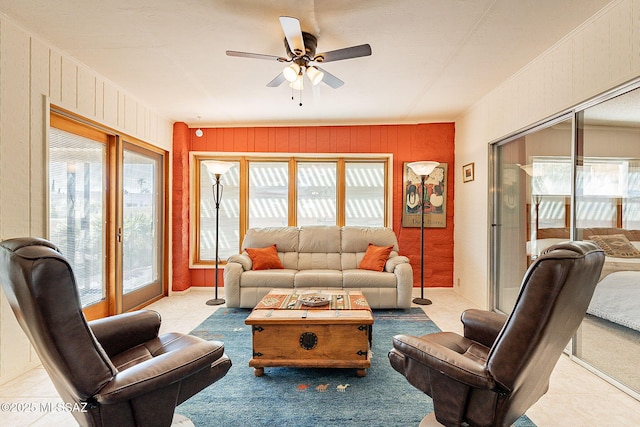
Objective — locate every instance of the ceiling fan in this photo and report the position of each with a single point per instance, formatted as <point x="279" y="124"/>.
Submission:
<point x="301" y="54"/>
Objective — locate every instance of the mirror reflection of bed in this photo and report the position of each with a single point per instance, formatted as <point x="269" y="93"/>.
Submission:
<point x="610" y="333"/>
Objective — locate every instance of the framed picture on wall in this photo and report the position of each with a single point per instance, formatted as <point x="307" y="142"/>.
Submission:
<point x="434" y="197"/>
<point x="467" y="172"/>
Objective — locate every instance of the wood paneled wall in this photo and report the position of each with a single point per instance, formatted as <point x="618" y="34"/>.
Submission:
<point x="407" y="143"/>
<point x="34" y="75"/>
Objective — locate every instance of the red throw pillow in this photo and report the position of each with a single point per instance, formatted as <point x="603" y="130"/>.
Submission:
<point x="375" y="257"/>
<point x="264" y="258"/>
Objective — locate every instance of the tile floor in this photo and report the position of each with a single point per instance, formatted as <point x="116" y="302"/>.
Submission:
<point x="576" y="397"/>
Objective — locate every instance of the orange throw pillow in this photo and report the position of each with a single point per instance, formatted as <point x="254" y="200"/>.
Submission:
<point x="264" y="258"/>
<point x="375" y="257"/>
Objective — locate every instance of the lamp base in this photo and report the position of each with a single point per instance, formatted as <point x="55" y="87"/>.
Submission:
<point x="421" y="301"/>
<point x="216" y="301"/>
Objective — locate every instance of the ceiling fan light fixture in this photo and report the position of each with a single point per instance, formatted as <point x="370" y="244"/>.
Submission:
<point x="291" y="72"/>
<point x="298" y="83"/>
<point x="314" y="75"/>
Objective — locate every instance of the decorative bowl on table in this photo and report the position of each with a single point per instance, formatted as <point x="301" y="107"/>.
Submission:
<point x="314" y="300"/>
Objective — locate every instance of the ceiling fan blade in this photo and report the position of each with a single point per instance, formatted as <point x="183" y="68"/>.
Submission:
<point x="330" y="79"/>
<point x="293" y="34"/>
<point x="346" y="53"/>
<point x="256" y="56"/>
<point x="277" y="81"/>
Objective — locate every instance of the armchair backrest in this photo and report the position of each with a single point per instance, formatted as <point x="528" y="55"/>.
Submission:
<point x="553" y="299"/>
<point x="41" y="289"/>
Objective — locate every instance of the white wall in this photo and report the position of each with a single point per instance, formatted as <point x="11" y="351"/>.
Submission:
<point x="30" y="73"/>
<point x="601" y="54"/>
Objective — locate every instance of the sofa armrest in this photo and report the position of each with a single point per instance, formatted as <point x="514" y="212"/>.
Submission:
<point x="482" y="326"/>
<point x="243" y="259"/>
<point x="231" y="279"/>
<point x="404" y="284"/>
<point x="123" y="331"/>
<point x="393" y="262"/>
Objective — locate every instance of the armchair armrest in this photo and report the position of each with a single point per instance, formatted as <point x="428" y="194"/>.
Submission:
<point x="444" y="360"/>
<point x="482" y="326"/>
<point x="193" y="355"/>
<point x="123" y="331"/>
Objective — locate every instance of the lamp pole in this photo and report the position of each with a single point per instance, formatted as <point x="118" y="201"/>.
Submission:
<point x="217" y="168"/>
<point x="217" y="195"/>
<point x="422" y="300"/>
<point x="422" y="169"/>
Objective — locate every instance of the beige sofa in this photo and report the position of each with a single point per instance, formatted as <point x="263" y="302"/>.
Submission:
<point x="320" y="257"/>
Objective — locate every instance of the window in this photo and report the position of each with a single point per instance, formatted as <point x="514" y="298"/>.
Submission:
<point x="263" y="191"/>
<point x="229" y="219"/>
<point x="316" y="191"/>
<point x="268" y="194"/>
<point x="365" y="193"/>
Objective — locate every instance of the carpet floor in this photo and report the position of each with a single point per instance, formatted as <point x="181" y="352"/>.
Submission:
<point x="310" y="397"/>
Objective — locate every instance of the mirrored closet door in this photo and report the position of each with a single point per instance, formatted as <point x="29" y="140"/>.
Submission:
<point x="577" y="177"/>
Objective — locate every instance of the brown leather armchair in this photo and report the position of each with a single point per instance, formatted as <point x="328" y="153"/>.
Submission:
<point x="502" y="364"/>
<point x="116" y="371"/>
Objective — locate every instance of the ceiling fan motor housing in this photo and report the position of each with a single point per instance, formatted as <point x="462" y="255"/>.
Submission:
<point x="310" y="43"/>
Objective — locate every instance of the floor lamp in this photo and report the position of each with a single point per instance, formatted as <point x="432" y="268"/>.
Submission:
<point x="422" y="169"/>
<point x="217" y="168"/>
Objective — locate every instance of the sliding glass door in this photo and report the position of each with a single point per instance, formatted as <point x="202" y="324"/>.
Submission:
<point x="78" y="207"/>
<point x="142" y="219"/>
<point x="106" y="214"/>
<point x="531" y="202"/>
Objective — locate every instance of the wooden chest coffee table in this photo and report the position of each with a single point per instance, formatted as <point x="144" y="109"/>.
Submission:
<point x="286" y="333"/>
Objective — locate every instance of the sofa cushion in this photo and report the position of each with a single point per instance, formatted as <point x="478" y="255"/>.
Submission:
<point x="350" y="261"/>
<point x="368" y="279"/>
<point x="319" y="239"/>
<point x="323" y="278"/>
<point x="289" y="259"/>
<point x="357" y="239"/>
<point x="375" y="257"/>
<point x="316" y="261"/>
<point x="285" y="238"/>
<point x="268" y="278"/>
<point x="264" y="258"/>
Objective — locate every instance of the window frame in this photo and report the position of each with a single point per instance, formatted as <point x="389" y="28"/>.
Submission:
<point x="243" y="159"/>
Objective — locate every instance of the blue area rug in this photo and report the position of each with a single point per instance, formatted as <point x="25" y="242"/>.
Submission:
<point x="294" y="397"/>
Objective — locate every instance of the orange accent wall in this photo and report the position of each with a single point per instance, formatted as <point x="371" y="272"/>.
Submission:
<point x="430" y="141"/>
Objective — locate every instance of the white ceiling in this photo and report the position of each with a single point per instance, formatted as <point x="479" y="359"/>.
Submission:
<point x="432" y="59"/>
